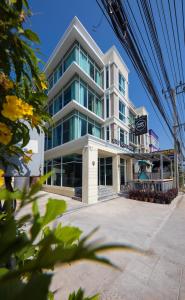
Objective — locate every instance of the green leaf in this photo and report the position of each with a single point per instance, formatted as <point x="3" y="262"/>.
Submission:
<point x="3" y="271"/>
<point x="54" y="209"/>
<point x="67" y="234"/>
<point x="80" y="296"/>
<point x="36" y="187"/>
<point x="36" y="288"/>
<point x="32" y="36"/>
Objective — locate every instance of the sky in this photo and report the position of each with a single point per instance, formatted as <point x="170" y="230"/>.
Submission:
<point x="50" y="20"/>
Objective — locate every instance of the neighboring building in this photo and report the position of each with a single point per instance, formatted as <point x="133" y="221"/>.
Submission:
<point x="93" y="117"/>
<point x="153" y="141"/>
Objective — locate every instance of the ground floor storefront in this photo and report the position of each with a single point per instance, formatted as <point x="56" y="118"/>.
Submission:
<point x="83" y="168"/>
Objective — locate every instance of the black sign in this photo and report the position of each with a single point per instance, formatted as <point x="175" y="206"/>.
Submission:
<point x="141" y="125"/>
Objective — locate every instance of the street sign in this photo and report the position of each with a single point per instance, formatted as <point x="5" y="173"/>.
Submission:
<point x="141" y="125"/>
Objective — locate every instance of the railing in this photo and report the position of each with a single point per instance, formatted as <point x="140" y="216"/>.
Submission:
<point x="155" y="176"/>
<point x="152" y="185"/>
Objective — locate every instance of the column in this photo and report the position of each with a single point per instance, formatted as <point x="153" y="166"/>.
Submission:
<point x="116" y="173"/>
<point x="129" y="170"/>
<point x="90" y="175"/>
<point x="161" y="166"/>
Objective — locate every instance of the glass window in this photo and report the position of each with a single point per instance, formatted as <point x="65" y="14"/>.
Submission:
<point x="49" y="168"/>
<point x="121" y="111"/>
<point x="58" y="103"/>
<point x="45" y="142"/>
<point x="82" y="126"/>
<point x="121" y="84"/>
<point x="51" y="108"/>
<point x="70" y="58"/>
<point x="91" y="68"/>
<point x="55" y="76"/>
<point x="49" y="138"/>
<point x="50" y="82"/>
<point x="83" y="61"/>
<point x="91" y="103"/>
<point x="71" y="93"/>
<point x="97" y="77"/>
<point x="98" y="107"/>
<point x="97" y="131"/>
<point x="107" y="77"/>
<point x="57" y="134"/>
<point x="66" y="131"/>
<point x="107" y="106"/>
<point x="83" y="95"/>
<point x="72" y="171"/>
<point x="56" y="171"/>
<point x="60" y="70"/>
<point x="122" y="136"/>
<point x="90" y="128"/>
<point x="107" y="133"/>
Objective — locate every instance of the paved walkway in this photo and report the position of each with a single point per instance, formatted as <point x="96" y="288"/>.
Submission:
<point x="155" y="227"/>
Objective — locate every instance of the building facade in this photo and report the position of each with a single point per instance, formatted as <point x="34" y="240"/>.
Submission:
<point x="93" y="117"/>
<point x="153" y="141"/>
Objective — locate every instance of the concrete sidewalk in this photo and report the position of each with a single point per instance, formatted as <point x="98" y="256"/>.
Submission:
<point x="155" y="227"/>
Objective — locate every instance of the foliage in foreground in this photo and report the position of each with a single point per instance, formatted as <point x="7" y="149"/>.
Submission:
<point x="30" y="247"/>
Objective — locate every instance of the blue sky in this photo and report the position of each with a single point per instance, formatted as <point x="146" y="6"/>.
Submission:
<point x="52" y="17"/>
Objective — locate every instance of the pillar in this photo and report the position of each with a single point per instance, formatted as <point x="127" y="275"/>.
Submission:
<point x="116" y="173"/>
<point x="161" y="166"/>
<point x="129" y="170"/>
<point x="90" y="175"/>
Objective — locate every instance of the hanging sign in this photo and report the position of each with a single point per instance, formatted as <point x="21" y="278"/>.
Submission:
<point x="141" y="125"/>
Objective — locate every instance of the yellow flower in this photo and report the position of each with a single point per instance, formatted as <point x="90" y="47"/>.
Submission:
<point x="15" y="108"/>
<point x="26" y="159"/>
<point x="27" y="156"/>
<point x="5" y="134"/>
<point x="43" y="81"/>
<point x="5" y="82"/>
<point x="43" y="85"/>
<point x="1" y="178"/>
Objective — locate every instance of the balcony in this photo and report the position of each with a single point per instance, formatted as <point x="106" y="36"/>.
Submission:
<point x="74" y="69"/>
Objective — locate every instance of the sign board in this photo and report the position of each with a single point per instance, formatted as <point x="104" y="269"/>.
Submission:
<point x="165" y="152"/>
<point x="122" y="145"/>
<point x="141" y="125"/>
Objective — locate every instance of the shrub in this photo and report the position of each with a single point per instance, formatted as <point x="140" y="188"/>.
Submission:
<point x="154" y="196"/>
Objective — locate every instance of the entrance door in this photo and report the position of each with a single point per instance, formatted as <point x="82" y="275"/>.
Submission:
<point x="122" y="172"/>
<point x="105" y="171"/>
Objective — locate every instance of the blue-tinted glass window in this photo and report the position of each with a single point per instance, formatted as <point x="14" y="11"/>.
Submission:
<point x="83" y="61"/>
<point x="107" y="133"/>
<point x="107" y="77"/>
<point x="98" y="107"/>
<point x="107" y="106"/>
<point x="91" y="69"/>
<point x="57" y="133"/>
<point x="121" y="111"/>
<point x="70" y="58"/>
<point x="91" y="101"/>
<point x="83" y="95"/>
<point x="121" y="84"/>
<point x="58" y="103"/>
<point x="97" y="77"/>
<point x="51" y="108"/>
<point x="82" y="126"/>
<point x="66" y="131"/>
<point x="49" y="138"/>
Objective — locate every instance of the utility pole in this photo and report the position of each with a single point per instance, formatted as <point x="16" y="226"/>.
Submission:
<point x="176" y="169"/>
<point x="171" y="93"/>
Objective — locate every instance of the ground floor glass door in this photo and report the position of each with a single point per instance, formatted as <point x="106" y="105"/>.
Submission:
<point x="105" y="171"/>
<point x="122" y="171"/>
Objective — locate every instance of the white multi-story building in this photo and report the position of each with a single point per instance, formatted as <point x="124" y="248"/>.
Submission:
<point x="93" y="117"/>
